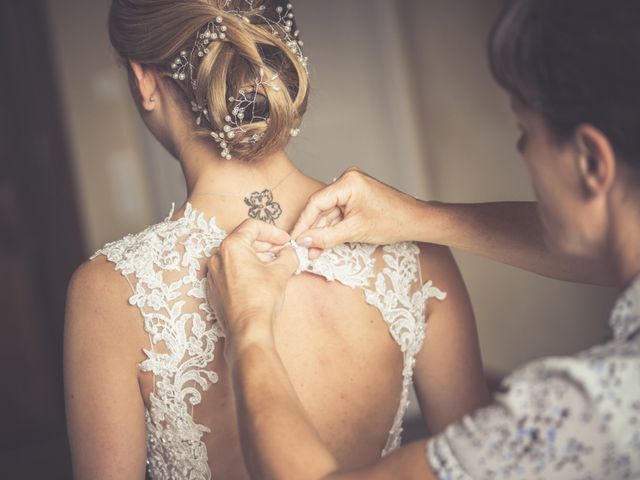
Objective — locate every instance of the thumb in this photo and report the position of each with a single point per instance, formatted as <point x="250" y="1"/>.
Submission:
<point x="336" y="195"/>
<point x="288" y="261"/>
<point x="251" y="231"/>
<point x="329" y="237"/>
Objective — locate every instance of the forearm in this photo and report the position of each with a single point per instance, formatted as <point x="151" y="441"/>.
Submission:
<point x="507" y="232"/>
<point x="278" y="439"/>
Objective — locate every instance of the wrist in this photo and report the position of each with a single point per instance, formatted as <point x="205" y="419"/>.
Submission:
<point x="255" y="332"/>
<point x="427" y="221"/>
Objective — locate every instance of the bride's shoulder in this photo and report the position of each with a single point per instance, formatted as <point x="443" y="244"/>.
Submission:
<point x="102" y="332"/>
<point x="97" y="309"/>
<point x="97" y="282"/>
<point x="161" y="244"/>
<point x="103" y="277"/>
<point x="129" y="250"/>
<point x="99" y="289"/>
<point x="438" y="266"/>
<point x="437" y="263"/>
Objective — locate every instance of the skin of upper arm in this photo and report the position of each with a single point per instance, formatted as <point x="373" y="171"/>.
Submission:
<point x="449" y="376"/>
<point x="104" y="406"/>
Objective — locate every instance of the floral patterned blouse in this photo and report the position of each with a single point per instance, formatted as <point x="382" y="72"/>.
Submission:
<point x="561" y="418"/>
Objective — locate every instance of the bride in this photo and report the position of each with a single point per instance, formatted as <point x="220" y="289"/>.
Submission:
<point x="223" y="85"/>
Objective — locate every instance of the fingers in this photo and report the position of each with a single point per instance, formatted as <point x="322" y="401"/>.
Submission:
<point x="288" y="261"/>
<point x="266" y="257"/>
<point x="328" y="218"/>
<point x="262" y="247"/>
<point x="330" y="236"/>
<point x="334" y="216"/>
<point x="334" y="196"/>
<point x="252" y="231"/>
<point x="267" y="242"/>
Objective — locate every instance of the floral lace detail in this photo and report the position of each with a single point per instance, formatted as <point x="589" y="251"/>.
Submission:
<point x="164" y="264"/>
<point x="174" y="440"/>
<point x="350" y="264"/>
<point x="403" y="309"/>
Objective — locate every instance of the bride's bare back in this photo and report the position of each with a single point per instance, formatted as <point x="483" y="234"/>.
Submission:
<point x="346" y="365"/>
<point x="349" y="334"/>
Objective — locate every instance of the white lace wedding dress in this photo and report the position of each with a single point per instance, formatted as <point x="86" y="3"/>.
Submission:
<point x="164" y="266"/>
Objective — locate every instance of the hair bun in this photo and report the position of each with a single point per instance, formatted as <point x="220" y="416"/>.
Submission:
<point x="239" y="63"/>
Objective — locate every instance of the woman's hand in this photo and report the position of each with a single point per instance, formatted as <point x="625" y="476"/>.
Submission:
<point x="356" y="208"/>
<point x="246" y="286"/>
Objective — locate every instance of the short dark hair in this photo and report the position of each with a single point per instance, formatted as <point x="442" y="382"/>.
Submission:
<point x="574" y="62"/>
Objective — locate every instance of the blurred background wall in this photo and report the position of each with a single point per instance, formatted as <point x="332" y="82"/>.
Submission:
<point x="470" y="140"/>
<point x="400" y="88"/>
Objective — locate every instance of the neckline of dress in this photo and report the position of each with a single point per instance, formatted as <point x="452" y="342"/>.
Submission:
<point x="199" y="219"/>
<point x="624" y="319"/>
<point x="196" y="217"/>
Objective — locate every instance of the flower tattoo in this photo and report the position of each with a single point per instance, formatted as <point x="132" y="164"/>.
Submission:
<point x="262" y="207"/>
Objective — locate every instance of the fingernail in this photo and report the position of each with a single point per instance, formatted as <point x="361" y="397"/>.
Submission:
<point x="306" y="242"/>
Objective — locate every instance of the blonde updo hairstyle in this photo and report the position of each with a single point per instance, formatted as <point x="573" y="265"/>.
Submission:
<point x="155" y="32"/>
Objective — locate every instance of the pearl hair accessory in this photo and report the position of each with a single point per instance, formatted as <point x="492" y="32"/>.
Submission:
<point x="243" y="109"/>
<point x="242" y="106"/>
<point x="183" y="64"/>
<point x="282" y="26"/>
<point x="290" y="37"/>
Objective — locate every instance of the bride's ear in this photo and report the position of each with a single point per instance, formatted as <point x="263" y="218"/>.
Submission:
<point x="146" y="85"/>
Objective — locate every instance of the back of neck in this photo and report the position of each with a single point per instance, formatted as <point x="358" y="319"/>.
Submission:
<point x="270" y="189"/>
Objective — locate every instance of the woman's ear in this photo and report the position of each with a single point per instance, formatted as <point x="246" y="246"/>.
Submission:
<point x="596" y="160"/>
<point x="146" y="84"/>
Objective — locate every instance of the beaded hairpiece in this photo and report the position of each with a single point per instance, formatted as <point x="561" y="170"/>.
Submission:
<point x="282" y="26"/>
<point x="243" y="106"/>
<point x="182" y="65"/>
